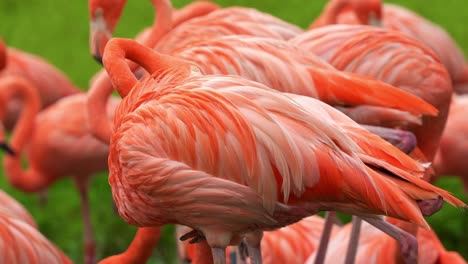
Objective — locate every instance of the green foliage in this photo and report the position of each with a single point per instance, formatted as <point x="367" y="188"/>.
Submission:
<point x="58" y="31"/>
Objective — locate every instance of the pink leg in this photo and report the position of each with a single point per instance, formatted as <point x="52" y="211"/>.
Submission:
<point x="82" y="185"/>
<point x="353" y="241"/>
<point x="253" y="240"/>
<point x="219" y="255"/>
<point x="408" y="243"/>
<point x="322" y="249"/>
<point x="43" y="197"/>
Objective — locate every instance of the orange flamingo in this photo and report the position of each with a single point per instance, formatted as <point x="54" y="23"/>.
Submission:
<point x="393" y="58"/>
<point x="268" y="178"/>
<point x="105" y="14"/>
<point x="50" y="82"/>
<point x="20" y="241"/>
<point x="403" y="20"/>
<point x="376" y="247"/>
<point x="453" y="149"/>
<point x="57" y="143"/>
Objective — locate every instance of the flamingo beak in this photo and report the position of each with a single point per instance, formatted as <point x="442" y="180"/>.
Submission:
<point x="374" y="20"/>
<point x="5" y="147"/>
<point x="99" y="35"/>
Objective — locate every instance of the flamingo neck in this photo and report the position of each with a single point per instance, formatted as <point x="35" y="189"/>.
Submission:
<point x="162" y="22"/>
<point x="98" y="97"/>
<point x="332" y="10"/>
<point x="3" y="56"/>
<point x="29" y="181"/>
<point x="117" y="50"/>
<point x="142" y="246"/>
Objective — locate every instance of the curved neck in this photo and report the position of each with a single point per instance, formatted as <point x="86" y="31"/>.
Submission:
<point x="143" y="244"/>
<point x="118" y="49"/>
<point x="192" y="10"/>
<point x="21" y="88"/>
<point x="3" y="51"/>
<point x="330" y="13"/>
<point x="29" y="181"/>
<point x="162" y="22"/>
<point x="98" y="97"/>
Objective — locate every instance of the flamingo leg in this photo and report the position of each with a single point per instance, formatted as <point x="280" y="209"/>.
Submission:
<point x="253" y="240"/>
<point x="219" y="255"/>
<point x="322" y="249"/>
<point x="353" y="241"/>
<point x="241" y="256"/>
<point x="404" y="140"/>
<point x="82" y="185"/>
<point x="43" y="197"/>
<point x="408" y="243"/>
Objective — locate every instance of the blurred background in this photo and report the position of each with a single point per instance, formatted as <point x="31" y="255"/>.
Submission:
<point x="58" y="31"/>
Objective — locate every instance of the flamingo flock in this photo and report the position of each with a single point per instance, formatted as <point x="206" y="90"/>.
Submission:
<point x="239" y="128"/>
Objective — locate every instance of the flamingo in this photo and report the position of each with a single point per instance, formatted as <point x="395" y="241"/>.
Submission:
<point x="50" y="82"/>
<point x="398" y="18"/>
<point x="104" y="15"/>
<point x="20" y="241"/>
<point x="453" y="148"/>
<point x="376" y="247"/>
<point x="393" y="58"/>
<point x="270" y="180"/>
<point x="57" y="143"/>
<point x="282" y="66"/>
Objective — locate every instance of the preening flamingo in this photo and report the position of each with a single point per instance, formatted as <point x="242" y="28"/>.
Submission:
<point x="398" y="18"/>
<point x="20" y="241"/>
<point x="453" y="150"/>
<point x="274" y="158"/>
<point x="284" y="67"/>
<point x="393" y="58"/>
<point x="104" y="15"/>
<point x="57" y="143"/>
<point x="51" y="83"/>
<point x="376" y="247"/>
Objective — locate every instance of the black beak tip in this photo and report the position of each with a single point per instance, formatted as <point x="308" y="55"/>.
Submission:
<point x="98" y="58"/>
<point x="5" y="147"/>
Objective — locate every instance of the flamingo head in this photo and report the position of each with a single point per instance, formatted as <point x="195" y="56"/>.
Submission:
<point x="369" y="12"/>
<point x="104" y="15"/>
<point x="3" y="50"/>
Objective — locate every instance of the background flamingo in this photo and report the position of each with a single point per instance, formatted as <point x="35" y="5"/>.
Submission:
<point x="401" y="19"/>
<point x="20" y="241"/>
<point x="122" y="162"/>
<point x="451" y="155"/>
<point x="51" y="83"/>
<point x="57" y="143"/>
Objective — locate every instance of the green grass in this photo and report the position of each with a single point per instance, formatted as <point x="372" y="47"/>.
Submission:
<point x="58" y="31"/>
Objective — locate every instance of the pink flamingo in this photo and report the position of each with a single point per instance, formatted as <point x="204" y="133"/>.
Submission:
<point x="398" y="18"/>
<point x="453" y="149"/>
<point x="50" y="82"/>
<point x="152" y="153"/>
<point x="20" y="241"/>
<point x="393" y="58"/>
<point x="57" y="143"/>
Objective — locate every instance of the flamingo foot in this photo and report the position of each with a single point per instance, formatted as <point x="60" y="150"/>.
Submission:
<point x="404" y="140"/>
<point x="219" y="255"/>
<point x="408" y="242"/>
<point x="430" y="206"/>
